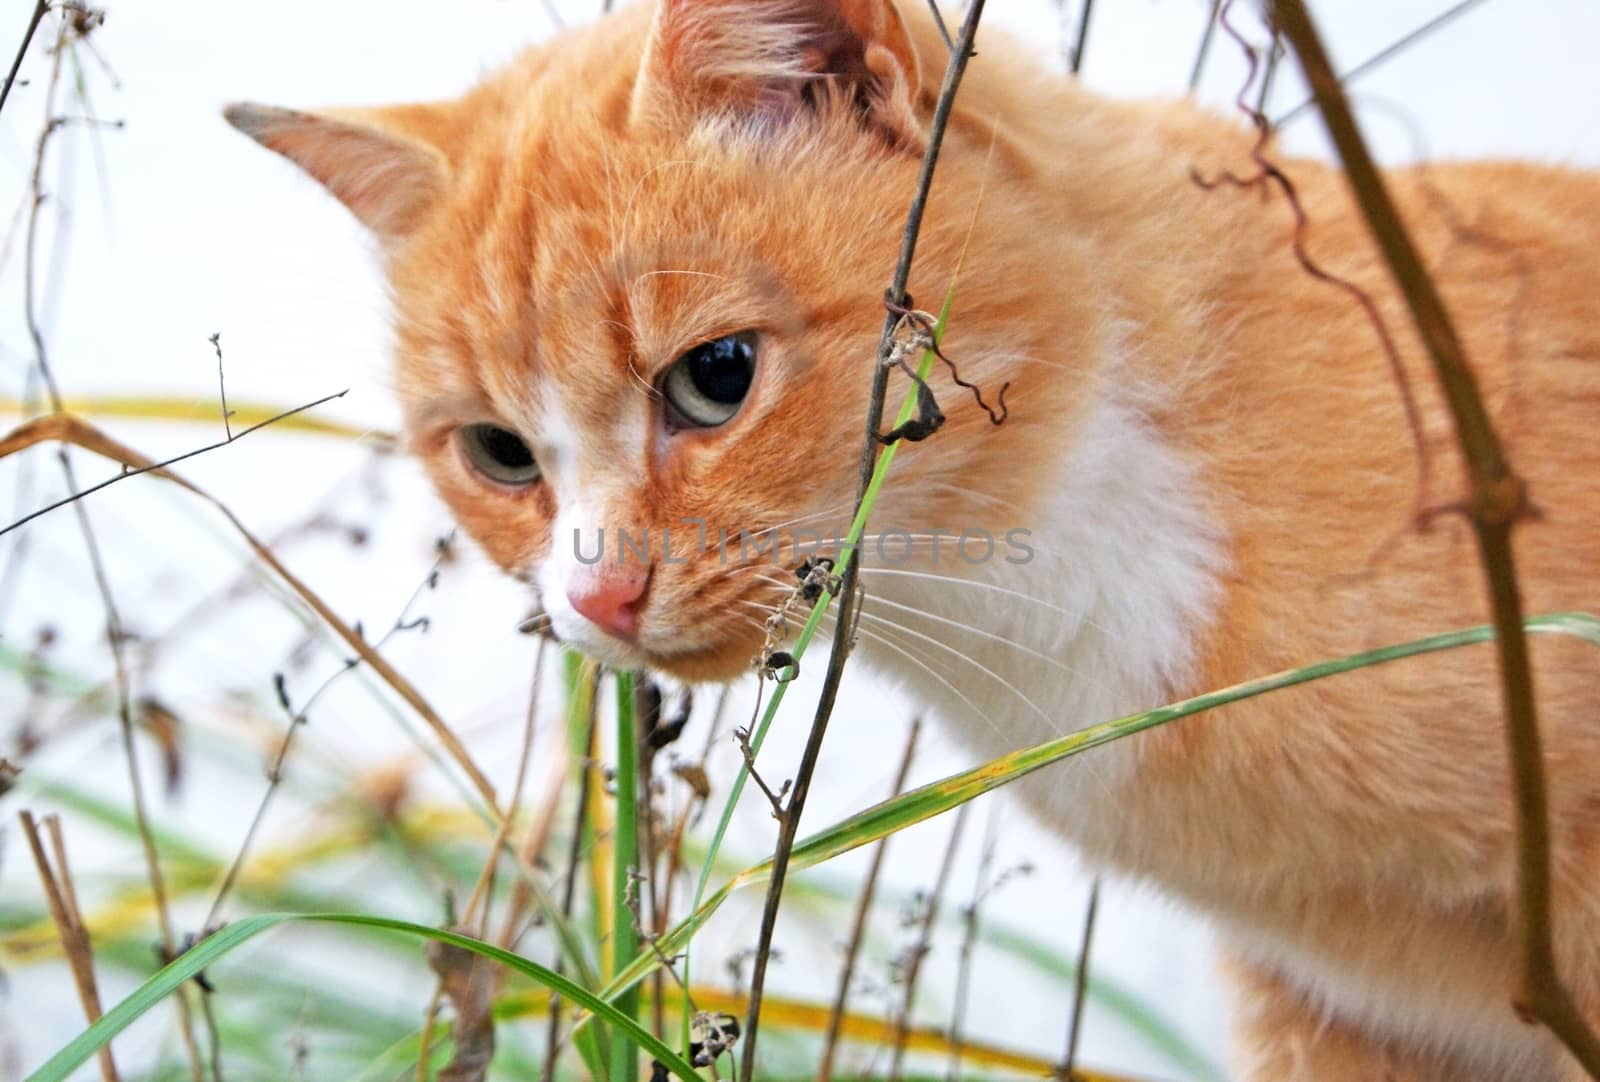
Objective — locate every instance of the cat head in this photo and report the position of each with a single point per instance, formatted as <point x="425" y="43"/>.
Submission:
<point x="637" y="282"/>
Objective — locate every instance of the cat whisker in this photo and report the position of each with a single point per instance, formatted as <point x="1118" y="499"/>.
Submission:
<point x="920" y="663"/>
<point x="753" y="622"/>
<point x="690" y="273"/>
<point x="1088" y="767"/>
<point x="1053" y="723"/>
<point x="786" y="588"/>
<point x="622" y="329"/>
<point x="1024" y="358"/>
<point x="954" y="580"/>
<point x="843" y="505"/>
<point x="619" y="230"/>
<point x="957" y="580"/>
<point x="897" y="535"/>
<point x="633" y="374"/>
<point x="971" y="629"/>
<point x="967" y="492"/>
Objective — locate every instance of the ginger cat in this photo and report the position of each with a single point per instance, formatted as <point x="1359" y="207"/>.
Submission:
<point x="637" y="280"/>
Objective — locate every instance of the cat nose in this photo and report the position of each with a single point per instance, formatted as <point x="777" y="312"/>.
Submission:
<point x="610" y="599"/>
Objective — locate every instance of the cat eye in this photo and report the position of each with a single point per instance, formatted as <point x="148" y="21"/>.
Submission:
<point x="705" y="387"/>
<point x="499" y="454"/>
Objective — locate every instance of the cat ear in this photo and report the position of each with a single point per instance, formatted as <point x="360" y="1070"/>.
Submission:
<point x="387" y="165"/>
<point x="770" y="59"/>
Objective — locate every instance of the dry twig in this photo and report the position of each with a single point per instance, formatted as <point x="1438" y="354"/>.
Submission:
<point x="298" y="719"/>
<point x="1269" y="174"/>
<point x="62" y="900"/>
<point x="1498" y="502"/>
<point x="912" y="968"/>
<point x="790" y="824"/>
<point x="858" y="923"/>
<point x="1384" y="55"/>
<point x="128" y="472"/>
<point x="1080" y="985"/>
<point x="39" y="8"/>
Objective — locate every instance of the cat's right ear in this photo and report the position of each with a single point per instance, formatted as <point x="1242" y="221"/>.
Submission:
<point x="770" y="60"/>
<point x="386" y="165"/>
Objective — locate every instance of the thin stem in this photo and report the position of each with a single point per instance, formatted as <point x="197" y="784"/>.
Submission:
<point x="858" y="923"/>
<point x="126" y="473"/>
<point x="1080" y="43"/>
<point x="1269" y="72"/>
<point x="969" y="941"/>
<point x="62" y="901"/>
<point x="39" y="9"/>
<point x="1384" y="55"/>
<point x="222" y="387"/>
<point x="574" y="856"/>
<point x="923" y="944"/>
<point x="624" y="869"/>
<point x="483" y="889"/>
<point x="1205" y="46"/>
<point x="938" y="21"/>
<point x="485" y="885"/>
<point x="1080" y="984"/>
<point x="647" y="720"/>
<point x="297" y="720"/>
<point x="790" y="825"/>
<point x="1498" y="502"/>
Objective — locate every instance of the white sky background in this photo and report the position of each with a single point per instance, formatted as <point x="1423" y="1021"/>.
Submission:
<point x="160" y="234"/>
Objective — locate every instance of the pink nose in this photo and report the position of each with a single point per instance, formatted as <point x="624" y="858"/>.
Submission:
<point x="609" y="599"/>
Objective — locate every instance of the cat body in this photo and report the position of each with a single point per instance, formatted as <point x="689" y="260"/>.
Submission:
<point x="1205" y="445"/>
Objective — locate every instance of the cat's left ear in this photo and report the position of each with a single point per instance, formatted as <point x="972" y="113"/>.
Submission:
<point x="772" y="59"/>
<point x="387" y="165"/>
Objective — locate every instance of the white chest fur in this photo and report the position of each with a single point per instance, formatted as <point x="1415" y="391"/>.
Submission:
<point x="1099" y="622"/>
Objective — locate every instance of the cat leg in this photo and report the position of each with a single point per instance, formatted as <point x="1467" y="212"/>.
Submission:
<point x="1280" y="1036"/>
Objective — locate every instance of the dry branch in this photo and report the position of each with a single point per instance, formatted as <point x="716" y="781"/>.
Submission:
<point x="790" y="823"/>
<point x="128" y="472"/>
<point x="39" y="8"/>
<point x="62" y="899"/>
<point x="1080" y="985"/>
<point x="1498" y="502"/>
<point x="858" y="923"/>
<point x="926" y="920"/>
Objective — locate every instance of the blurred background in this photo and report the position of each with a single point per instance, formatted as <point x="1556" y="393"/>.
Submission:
<point x="160" y="227"/>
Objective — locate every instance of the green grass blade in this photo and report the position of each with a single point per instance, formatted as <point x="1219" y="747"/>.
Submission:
<point x="581" y="679"/>
<point x="624" y="866"/>
<point x="938" y="797"/>
<point x="210" y="950"/>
